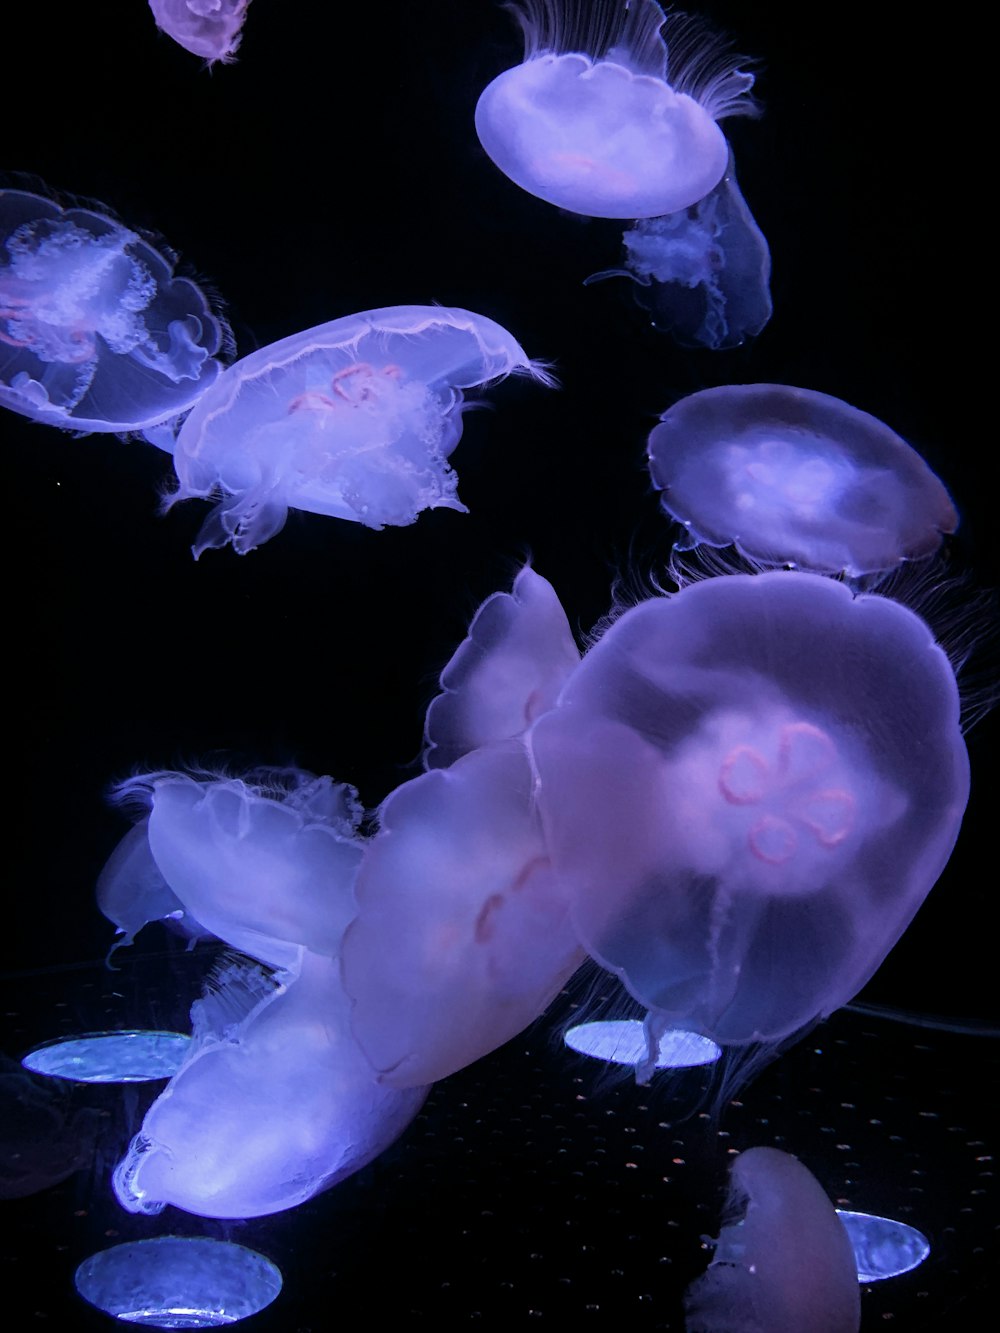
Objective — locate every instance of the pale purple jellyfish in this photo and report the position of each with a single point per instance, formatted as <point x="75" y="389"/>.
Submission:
<point x="208" y="28"/>
<point x="96" y="331"/>
<point x="703" y="273"/>
<point x="613" y="111"/>
<point x="791" y="476"/>
<point x="462" y="936"/>
<point x="355" y="419"/>
<point x="783" y="1262"/>
<point x="747" y="791"/>
<point x="271" y="1107"/>
<point x="505" y="674"/>
<point x="276" y="1100"/>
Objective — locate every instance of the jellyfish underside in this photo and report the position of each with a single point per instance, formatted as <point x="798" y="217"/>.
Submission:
<point x="96" y="331"/>
<point x="207" y="28"/>
<point x="354" y="419"/>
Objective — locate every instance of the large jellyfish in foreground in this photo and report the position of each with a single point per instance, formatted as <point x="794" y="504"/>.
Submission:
<point x="703" y="273"/>
<point x="355" y="419"/>
<point x="793" y="476"/>
<point x="599" y="119"/>
<point x="96" y="332"/>
<point x="209" y="28"/>
<point x="276" y="1100"/>
<point x="747" y="791"/>
<point x="783" y="1262"/>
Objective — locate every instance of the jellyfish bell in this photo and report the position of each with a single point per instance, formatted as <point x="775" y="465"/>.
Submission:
<point x="97" y="332"/>
<point x="793" y="476"/>
<point x="354" y="419"/>
<point x="783" y="1261"/>
<point x="208" y="28"/>
<point x="612" y="113"/>
<point x="748" y="789"/>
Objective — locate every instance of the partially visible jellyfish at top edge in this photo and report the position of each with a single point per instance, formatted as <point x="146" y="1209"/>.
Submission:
<point x="792" y="476"/>
<point x="703" y="273"/>
<point x="208" y="28"/>
<point x="783" y="1262"/>
<point x="97" y="333"/>
<point x="354" y="419"/>
<point x="613" y="111"/>
<point x="758" y="768"/>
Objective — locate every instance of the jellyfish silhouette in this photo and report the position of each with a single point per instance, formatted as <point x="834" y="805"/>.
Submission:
<point x="270" y="1108"/>
<point x="703" y="273"/>
<point x="797" y="477"/>
<point x="599" y="119"/>
<point x="462" y="936"/>
<point x="783" y="1261"/>
<point x="209" y="28"/>
<point x="96" y="331"/>
<point x="275" y="1100"/>
<point x="354" y="419"/>
<point x="747" y="791"/>
<point x="505" y="674"/>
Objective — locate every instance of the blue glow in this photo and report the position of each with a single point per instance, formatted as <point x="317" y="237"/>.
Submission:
<point x="883" y="1247"/>
<point x="130" y="1056"/>
<point x="622" y="1042"/>
<point x="179" y="1282"/>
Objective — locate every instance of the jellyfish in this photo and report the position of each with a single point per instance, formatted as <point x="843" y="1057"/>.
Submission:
<point x="270" y="1108"/>
<point x="599" y="119"/>
<point x="462" y="936"/>
<point x="703" y="273"/>
<point x="354" y="419"/>
<point x="791" y="476"/>
<point x="97" y="333"/>
<point x="208" y="28"/>
<point x="264" y="863"/>
<point x="505" y="674"/>
<point x="747" y="790"/>
<point x="783" y="1261"/>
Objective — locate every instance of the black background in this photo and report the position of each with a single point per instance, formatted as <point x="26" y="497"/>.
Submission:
<point x="335" y="168"/>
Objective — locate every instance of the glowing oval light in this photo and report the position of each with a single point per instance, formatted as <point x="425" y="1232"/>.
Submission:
<point x="883" y="1247"/>
<point x="130" y="1056"/>
<point x="179" y="1282"/>
<point x="622" y="1042"/>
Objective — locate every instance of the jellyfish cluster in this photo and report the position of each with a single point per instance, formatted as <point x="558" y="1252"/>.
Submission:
<point x="730" y="797"/>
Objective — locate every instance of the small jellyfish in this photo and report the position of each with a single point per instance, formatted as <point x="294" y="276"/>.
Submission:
<point x="354" y="419"/>
<point x="599" y="119"/>
<point x="747" y="790"/>
<point x="96" y="331"/>
<point x="462" y="936"/>
<point x="703" y="273"/>
<point x="791" y="476"/>
<point x="208" y="28"/>
<point x="783" y="1261"/>
<point x="269" y="1109"/>
<point x="264" y="864"/>
<point x="505" y="674"/>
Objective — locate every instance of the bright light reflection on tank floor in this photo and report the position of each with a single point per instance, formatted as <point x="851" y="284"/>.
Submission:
<point x="179" y="1282"/>
<point x="623" y="1042"/>
<point x="882" y="1247"/>
<point x="130" y="1056"/>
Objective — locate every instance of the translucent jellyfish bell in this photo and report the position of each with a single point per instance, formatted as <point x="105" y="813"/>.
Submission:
<point x="96" y="331"/>
<point x="783" y="1261"/>
<point x="354" y="419"/>
<point x="599" y="119"/>
<point x="747" y="791"/>
<point x="208" y="28"/>
<point x="793" y="476"/>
